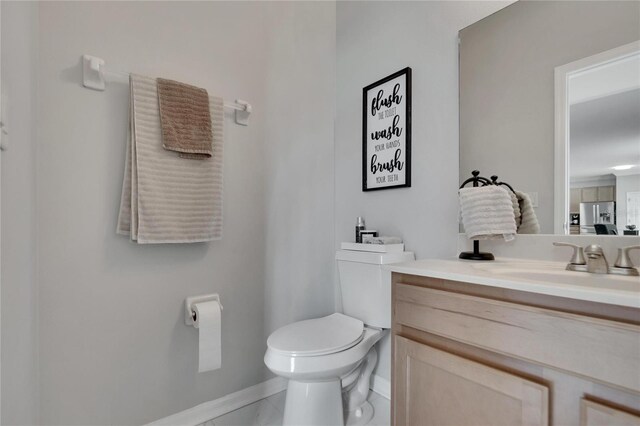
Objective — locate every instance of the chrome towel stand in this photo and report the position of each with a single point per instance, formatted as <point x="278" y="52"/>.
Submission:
<point x="478" y="180"/>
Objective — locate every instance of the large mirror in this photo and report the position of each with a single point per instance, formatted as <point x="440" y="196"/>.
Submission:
<point x="550" y="103"/>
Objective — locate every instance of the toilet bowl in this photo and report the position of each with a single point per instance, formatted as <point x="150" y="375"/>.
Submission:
<point x="324" y="360"/>
<point x="328" y="361"/>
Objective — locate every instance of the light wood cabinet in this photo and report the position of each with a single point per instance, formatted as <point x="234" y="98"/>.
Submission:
<point x="575" y="200"/>
<point x="466" y="354"/>
<point x="590" y="195"/>
<point x="595" y="414"/>
<point x="445" y="389"/>
<point x="606" y="193"/>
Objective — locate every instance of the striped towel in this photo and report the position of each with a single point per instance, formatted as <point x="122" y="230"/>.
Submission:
<point x="165" y="198"/>
<point x="487" y="213"/>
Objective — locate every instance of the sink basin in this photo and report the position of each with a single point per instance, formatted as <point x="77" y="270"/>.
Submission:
<point x="555" y="273"/>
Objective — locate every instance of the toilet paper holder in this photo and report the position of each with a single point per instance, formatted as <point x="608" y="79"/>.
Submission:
<point x="190" y="313"/>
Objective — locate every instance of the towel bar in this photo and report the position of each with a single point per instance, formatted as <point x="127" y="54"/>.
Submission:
<point x="93" y="77"/>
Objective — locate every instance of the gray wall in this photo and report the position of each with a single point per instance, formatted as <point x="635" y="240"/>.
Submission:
<point x="19" y="291"/>
<point x="113" y="347"/>
<point x="374" y="40"/>
<point x="299" y="197"/>
<point x="507" y="63"/>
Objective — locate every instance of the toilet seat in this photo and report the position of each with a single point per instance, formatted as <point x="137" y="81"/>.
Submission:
<point x="322" y="367"/>
<point x="316" y="337"/>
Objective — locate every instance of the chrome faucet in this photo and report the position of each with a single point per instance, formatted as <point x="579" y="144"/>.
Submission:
<point x="577" y="262"/>
<point x="595" y="261"/>
<point x="623" y="265"/>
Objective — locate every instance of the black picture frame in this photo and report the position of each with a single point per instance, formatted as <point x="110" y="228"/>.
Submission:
<point x="407" y="111"/>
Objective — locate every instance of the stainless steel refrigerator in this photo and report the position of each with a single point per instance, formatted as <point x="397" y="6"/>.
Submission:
<point x="595" y="213"/>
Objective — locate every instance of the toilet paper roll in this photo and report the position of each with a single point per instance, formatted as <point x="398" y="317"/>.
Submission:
<point x="208" y="322"/>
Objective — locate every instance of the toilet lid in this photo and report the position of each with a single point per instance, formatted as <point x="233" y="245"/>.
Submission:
<point x="319" y="336"/>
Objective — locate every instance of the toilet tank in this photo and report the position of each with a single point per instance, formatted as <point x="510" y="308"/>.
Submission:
<point x="366" y="286"/>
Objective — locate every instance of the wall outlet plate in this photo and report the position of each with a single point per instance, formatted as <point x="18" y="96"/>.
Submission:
<point x="534" y="198"/>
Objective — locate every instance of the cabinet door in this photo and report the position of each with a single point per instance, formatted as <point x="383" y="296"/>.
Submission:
<point x="433" y="387"/>
<point x="590" y="195"/>
<point x="575" y="200"/>
<point x="595" y="414"/>
<point x="606" y="193"/>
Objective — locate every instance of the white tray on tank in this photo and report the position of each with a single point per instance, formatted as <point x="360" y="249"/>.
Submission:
<point x="375" y="248"/>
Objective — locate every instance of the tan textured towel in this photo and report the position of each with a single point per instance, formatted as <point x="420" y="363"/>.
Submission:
<point x="165" y="198"/>
<point x="185" y="119"/>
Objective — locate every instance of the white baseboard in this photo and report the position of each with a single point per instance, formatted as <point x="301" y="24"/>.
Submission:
<point x="381" y="386"/>
<point x="216" y="408"/>
<point x="212" y="409"/>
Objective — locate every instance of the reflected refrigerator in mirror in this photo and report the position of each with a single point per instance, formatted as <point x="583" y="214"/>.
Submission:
<point x="596" y="213"/>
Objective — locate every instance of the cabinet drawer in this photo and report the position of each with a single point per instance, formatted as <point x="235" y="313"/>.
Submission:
<point x="436" y="388"/>
<point x="604" y="350"/>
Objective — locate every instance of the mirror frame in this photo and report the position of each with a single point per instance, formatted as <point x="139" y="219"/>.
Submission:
<point x="562" y="74"/>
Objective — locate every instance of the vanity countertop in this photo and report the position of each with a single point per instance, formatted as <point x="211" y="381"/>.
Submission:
<point x="534" y="276"/>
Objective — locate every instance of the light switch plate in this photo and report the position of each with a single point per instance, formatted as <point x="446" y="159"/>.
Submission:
<point x="534" y="199"/>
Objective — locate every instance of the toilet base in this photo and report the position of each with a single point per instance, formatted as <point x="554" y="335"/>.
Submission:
<point x="313" y="404"/>
<point x="361" y="416"/>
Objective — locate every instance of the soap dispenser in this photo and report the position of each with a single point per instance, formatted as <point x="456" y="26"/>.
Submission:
<point x="359" y="228"/>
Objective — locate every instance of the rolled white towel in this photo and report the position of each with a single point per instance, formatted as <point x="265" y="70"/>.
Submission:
<point x="529" y="221"/>
<point x="516" y="208"/>
<point x="487" y="213"/>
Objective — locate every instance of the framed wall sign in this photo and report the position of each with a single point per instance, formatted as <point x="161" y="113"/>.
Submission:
<point x="386" y="132"/>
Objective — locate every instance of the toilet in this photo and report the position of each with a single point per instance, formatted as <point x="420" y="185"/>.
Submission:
<point x="328" y="361"/>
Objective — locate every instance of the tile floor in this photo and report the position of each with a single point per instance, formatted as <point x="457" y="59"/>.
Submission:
<point x="269" y="411"/>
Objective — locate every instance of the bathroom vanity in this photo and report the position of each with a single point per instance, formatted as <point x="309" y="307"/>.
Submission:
<point x="513" y="342"/>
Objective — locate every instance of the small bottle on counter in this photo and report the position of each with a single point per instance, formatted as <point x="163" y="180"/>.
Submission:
<point x="359" y="228"/>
